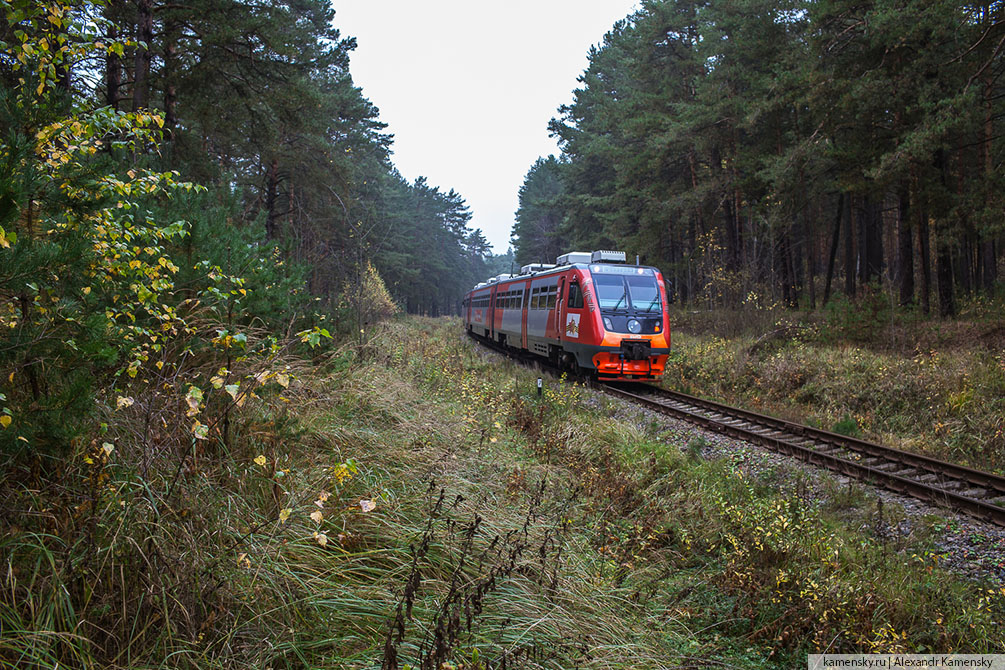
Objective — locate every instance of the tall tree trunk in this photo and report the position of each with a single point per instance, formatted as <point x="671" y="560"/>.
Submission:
<point x="113" y="62"/>
<point x="783" y="265"/>
<point x="986" y="250"/>
<point x="732" y="241"/>
<point x="943" y="248"/>
<point x="141" y="60"/>
<point x="170" y="91"/>
<point x="989" y="265"/>
<point x="964" y="264"/>
<point x="794" y="247"/>
<point x="905" y="246"/>
<point x="271" y="198"/>
<point x="944" y="273"/>
<point x="835" y="238"/>
<point x="924" y="248"/>
<point x="870" y="241"/>
<point x="874" y="239"/>
<point x="810" y="252"/>
<point x="849" y="248"/>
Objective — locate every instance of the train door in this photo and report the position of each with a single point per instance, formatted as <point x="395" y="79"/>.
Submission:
<point x="553" y="300"/>
<point x="572" y="318"/>
<point x="560" y="309"/>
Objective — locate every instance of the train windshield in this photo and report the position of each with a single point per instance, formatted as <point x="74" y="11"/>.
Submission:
<point x="611" y="292"/>
<point x="644" y="294"/>
<point x="635" y="292"/>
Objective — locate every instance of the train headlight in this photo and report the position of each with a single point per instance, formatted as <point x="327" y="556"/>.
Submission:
<point x="634" y="326"/>
<point x="608" y="324"/>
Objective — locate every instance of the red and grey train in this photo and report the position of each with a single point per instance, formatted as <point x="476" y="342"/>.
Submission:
<point x="590" y="313"/>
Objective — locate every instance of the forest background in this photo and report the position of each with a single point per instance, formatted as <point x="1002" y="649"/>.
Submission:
<point x="766" y="153"/>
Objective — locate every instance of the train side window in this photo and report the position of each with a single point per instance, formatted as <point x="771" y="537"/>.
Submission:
<point x="552" y="293"/>
<point x="575" y="297"/>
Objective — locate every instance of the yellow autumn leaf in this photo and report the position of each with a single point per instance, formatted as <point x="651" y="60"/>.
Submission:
<point x="317" y="516"/>
<point x="260" y="460"/>
<point x="108" y="448"/>
<point x="367" y="505"/>
<point x="284" y="514"/>
<point x="200" y="430"/>
<point x="282" y="380"/>
<point x="123" y="401"/>
<point x="193" y="399"/>
<point x="5" y="420"/>
<point x="321" y="538"/>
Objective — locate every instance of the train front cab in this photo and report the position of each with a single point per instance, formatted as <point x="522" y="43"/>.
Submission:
<point x="613" y="320"/>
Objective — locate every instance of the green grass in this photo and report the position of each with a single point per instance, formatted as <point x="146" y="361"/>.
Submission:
<point x="504" y="525"/>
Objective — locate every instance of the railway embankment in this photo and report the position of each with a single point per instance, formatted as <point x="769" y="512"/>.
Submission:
<point x="923" y="385"/>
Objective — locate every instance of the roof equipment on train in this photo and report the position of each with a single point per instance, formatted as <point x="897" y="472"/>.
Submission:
<point x="574" y="257"/>
<point x="531" y="268"/>
<point x="605" y="256"/>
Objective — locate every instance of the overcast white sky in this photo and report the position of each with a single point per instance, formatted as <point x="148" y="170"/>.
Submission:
<point x="468" y="86"/>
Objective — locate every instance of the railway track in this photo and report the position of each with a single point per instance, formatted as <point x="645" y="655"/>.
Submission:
<point x="979" y="494"/>
<point x="973" y="492"/>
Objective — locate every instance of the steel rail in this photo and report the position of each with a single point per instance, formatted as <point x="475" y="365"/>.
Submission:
<point x="792" y="439"/>
<point x="785" y="437"/>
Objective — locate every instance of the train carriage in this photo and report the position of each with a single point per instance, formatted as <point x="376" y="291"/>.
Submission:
<point x="590" y="312"/>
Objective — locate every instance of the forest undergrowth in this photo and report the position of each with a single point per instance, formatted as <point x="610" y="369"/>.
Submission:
<point x="411" y="502"/>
